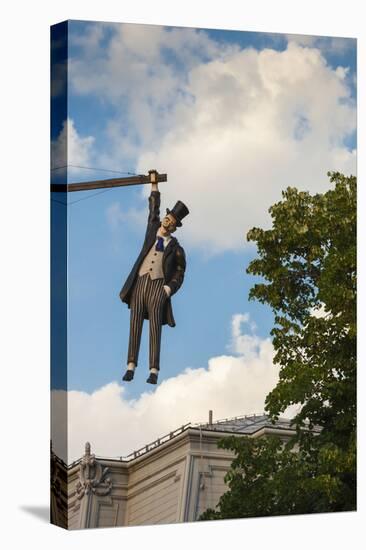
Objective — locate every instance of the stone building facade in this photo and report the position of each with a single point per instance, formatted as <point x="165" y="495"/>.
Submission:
<point x="172" y="480"/>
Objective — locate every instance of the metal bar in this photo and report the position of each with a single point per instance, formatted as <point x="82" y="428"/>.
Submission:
<point x="104" y="184"/>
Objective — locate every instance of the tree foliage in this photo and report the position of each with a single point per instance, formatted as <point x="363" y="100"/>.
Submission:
<point x="307" y="262"/>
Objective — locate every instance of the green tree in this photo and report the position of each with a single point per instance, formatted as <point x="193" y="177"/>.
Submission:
<point x="308" y="264"/>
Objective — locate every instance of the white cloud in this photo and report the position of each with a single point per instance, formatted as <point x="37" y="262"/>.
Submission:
<point x="70" y="147"/>
<point x="319" y="312"/>
<point x="132" y="73"/>
<point x="78" y="147"/>
<point x="232" y="128"/>
<point x="231" y="385"/>
<point x="90" y="39"/>
<point x="246" y="345"/>
<point x="260" y="122"/>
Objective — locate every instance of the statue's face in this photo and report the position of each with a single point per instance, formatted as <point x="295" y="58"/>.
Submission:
<point x="169" y="223"/>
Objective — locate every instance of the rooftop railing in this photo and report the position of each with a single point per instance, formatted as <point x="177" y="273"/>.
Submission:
<point x="251" y="419"/>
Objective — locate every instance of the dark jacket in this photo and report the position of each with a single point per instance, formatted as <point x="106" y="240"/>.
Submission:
<point x="174" y="261"/>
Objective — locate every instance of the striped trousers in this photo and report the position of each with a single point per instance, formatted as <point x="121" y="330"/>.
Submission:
<point x="148" y="296"/>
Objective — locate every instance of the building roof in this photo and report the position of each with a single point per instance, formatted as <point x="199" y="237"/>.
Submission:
<point x="247" y="424"/>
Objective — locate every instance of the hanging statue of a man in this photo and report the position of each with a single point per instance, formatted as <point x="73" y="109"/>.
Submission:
<point x="158" y="273"/>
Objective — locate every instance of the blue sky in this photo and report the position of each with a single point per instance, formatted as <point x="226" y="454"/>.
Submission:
<point x="233" y="117"/>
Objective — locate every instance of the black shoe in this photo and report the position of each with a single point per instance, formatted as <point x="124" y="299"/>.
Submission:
<point x="153" y="378"/>
<point x="128" y="375"/>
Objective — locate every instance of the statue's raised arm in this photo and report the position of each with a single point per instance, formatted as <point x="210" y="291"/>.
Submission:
<point x="154" y="205"/>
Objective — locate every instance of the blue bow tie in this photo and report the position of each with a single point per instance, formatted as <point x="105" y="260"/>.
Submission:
<point x="160" y="245"/>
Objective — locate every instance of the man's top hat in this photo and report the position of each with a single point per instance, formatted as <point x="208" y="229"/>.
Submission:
<point x="179" y="212"/>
